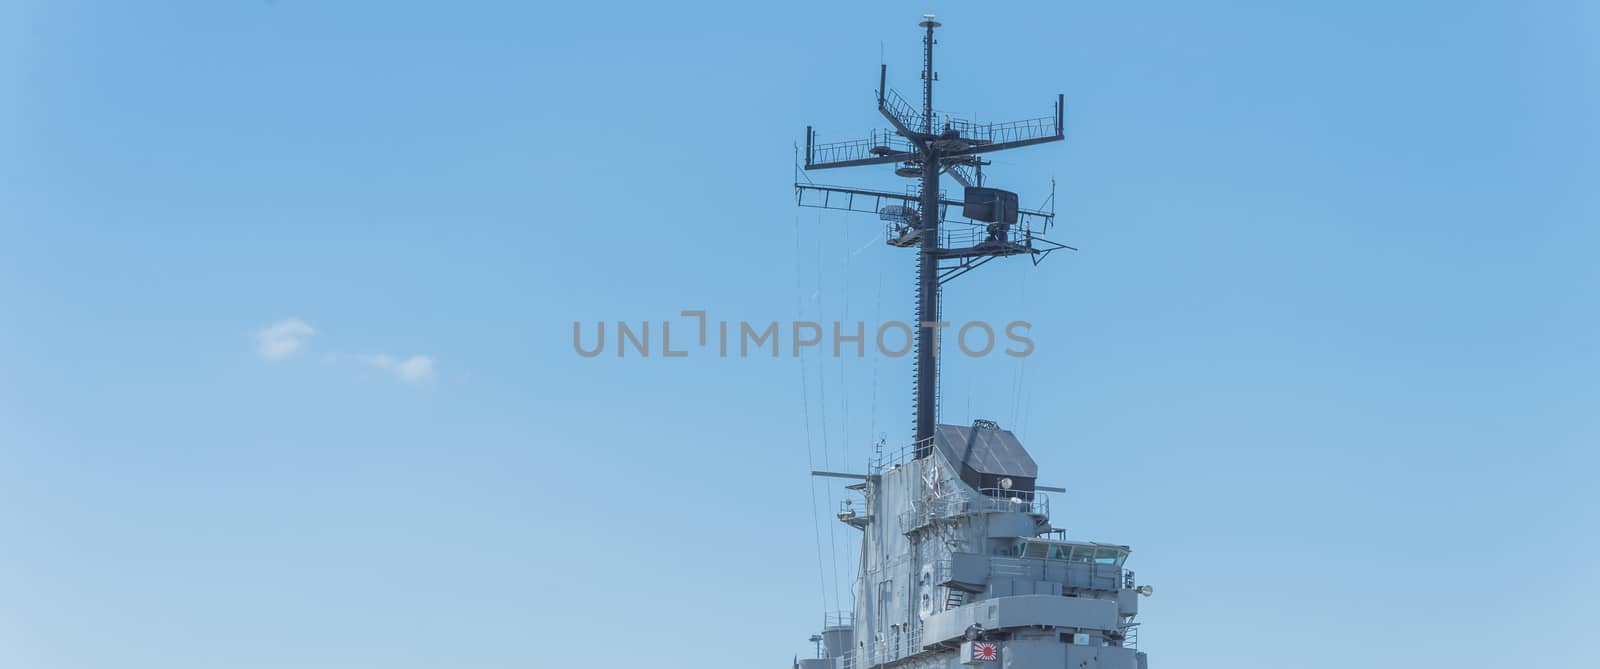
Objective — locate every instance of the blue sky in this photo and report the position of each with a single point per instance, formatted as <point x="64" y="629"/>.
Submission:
<point x="1326" y="359"/>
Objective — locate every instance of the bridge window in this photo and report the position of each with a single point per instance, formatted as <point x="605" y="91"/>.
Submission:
<point x="1076" y="554"/>
<point x="1111" y="556"/>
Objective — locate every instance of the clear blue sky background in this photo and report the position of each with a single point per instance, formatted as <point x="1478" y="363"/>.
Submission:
<point x="1327" y="359"/>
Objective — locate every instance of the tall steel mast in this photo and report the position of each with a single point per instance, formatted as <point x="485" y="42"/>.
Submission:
<point x="993" y="225"/>
<point x="927" y="369"/>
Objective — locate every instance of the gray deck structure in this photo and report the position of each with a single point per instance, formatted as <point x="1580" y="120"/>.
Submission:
<point x="949" y="566"/>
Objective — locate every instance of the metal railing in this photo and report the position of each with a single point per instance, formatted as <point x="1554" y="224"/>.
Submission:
<point x="999" y="499"/>
<point x="911" y="117"/>
<point x="961" y="502"/>
<point x="1009" y="131"/>
<point x="899" y="456"/>
<point x="905" y="112"/>
<point x="1071" y="574"/>
<point x="966" y="236"/>
<point x="961" y="174"/>
<point x="888" y="649"/>
<point x="864" y="201"/>
<point x="858" y="149"/>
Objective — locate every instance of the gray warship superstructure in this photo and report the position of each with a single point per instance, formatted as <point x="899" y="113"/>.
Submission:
<point x="960" y="564"/>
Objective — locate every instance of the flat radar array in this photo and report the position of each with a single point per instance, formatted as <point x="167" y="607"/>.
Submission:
<point x="924" y="144"/>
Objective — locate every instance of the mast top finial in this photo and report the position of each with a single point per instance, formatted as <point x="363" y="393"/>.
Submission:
<point x="928" y="22"/>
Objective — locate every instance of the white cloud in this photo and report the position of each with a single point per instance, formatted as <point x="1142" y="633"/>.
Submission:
<point x="415" y="369"/>
<point x="282" y="339"/>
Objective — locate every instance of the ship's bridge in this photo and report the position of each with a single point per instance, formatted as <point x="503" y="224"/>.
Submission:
<point x="1080" y="552"/>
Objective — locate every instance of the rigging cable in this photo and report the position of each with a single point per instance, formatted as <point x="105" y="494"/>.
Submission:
<point x="1019" y="373"/>
<point x="844" y="386"/>
<point x="822" y="403"/>
<point x="877" y="319"/>
<point x="805" y="408"/>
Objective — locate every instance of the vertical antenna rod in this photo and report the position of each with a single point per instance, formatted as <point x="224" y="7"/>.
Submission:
<point x="928" y="262"/>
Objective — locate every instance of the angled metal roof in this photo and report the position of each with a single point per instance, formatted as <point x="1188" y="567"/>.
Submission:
<point x="986" y="451"/>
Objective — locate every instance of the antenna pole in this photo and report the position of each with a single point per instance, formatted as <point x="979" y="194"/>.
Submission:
<point x="927" y="76"/>
<point x="928" y="263"/>
<point x="924" y="148"/>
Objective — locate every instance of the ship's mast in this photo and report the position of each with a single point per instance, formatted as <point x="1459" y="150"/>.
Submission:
<point x="927" y="383"/>
<point x="924" y="148"/>
<point x="966" y="496"/>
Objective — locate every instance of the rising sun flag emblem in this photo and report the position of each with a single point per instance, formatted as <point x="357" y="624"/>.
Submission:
<point x="984" y="650"/>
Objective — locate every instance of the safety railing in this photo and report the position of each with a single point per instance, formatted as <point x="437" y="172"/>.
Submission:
<point x="878" y="143"/>
<point x="1071" y="574"/>
<point x="899" y="456"/>
<point x="1000" y="499"/>
<point x="967" y="236"/>
<point x="960" y="502"/>
<point x="1008" y="131"/>
<point x="984" y="132"/>
<point x="903" y="111"/>
<point x="894" y="646"/>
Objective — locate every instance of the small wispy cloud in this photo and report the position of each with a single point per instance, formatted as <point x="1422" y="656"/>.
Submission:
<point x="415" y="369"/>
<point x="285" y="338"/>
<point x="280" y="340"/>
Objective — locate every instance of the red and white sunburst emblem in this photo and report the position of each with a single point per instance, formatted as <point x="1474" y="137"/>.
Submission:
<point x="984" y="650"/>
